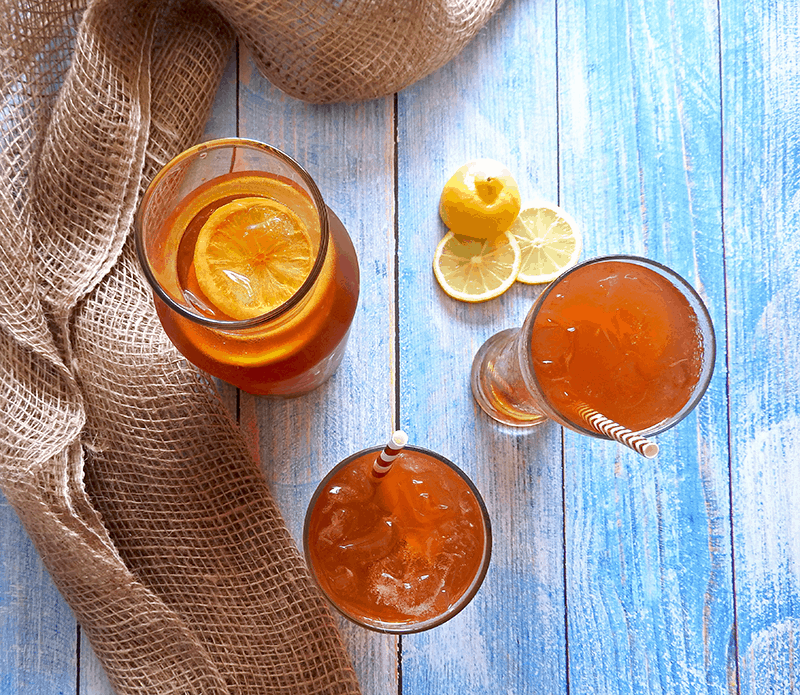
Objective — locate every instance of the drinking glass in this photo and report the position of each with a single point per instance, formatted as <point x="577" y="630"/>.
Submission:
<point x="514" y="391"/>
<point x="402" y="553"/>
<point x="288" y="350"/>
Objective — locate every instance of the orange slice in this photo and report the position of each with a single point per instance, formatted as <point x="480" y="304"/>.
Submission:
<point x="251" y="256"/>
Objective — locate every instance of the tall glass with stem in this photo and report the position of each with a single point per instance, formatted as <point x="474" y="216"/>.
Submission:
<point x="622" y="336"/>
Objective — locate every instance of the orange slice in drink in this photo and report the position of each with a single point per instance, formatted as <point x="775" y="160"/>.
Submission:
<point x="251" y="256"/>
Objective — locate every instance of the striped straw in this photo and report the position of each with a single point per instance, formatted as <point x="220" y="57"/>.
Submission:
<point x="384" y="461"/>
<point x="600" y="423"/>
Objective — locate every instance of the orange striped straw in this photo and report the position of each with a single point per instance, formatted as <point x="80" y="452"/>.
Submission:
<point x="600" y="423"/>
<point x="386" y="458"/>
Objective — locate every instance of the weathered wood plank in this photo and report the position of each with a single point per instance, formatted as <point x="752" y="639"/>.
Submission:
<point x="348" y="150"/>
<point x="636" y="99"/>
<point x="497" y="100"/>
<point x="761" y="70"/>
<point x="222" y="123"/>
<point x="649" y="570"/>
<point x="38" y="631"/>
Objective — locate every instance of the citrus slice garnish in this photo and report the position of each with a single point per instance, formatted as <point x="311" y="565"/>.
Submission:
<point x="252" y="255"/>
<point x="549" y="239"/>
<point x="474" y="270"/>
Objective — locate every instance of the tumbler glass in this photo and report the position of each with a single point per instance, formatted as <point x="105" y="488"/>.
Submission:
<point x="401" y="553"/>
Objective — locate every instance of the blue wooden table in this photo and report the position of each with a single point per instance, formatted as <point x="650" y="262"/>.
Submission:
<point x="669" y="129"/>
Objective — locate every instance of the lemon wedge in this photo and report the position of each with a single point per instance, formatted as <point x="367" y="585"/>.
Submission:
<point x="550" y="242"/>
<point x="474" y="270"/>
<point x="252" y="255"/>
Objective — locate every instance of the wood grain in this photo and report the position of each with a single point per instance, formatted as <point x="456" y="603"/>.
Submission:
<point x="668" y="129"/>
<point x="38" y="632"/>
<point x="761" y="70"/>
<point x="497" y="100"/>
<point x="648" y="559"/>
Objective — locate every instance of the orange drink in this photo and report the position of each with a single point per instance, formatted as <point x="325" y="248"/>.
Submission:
<point x="401" y="553"/>
<point x="255" y="280"/>
<point x="620" y="335"/>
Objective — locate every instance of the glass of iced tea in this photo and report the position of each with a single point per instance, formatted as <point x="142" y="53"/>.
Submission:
<point x="401" y="553"/>
<point x="618" y="335"/>
<point x="255" y="280"/>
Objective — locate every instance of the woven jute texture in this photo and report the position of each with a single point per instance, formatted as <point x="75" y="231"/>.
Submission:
<point x="126" y="470"/>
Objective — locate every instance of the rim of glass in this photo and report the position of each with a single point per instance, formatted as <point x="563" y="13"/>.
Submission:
<point x="322" y="212"/>
<point x="463" y="600"/>
<point x="705" y="326"/>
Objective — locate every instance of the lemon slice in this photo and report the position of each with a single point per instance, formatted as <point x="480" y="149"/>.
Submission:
<point x="474" y="270"/>
<point x="550" y="241"/>
<point x="252" y="255"/>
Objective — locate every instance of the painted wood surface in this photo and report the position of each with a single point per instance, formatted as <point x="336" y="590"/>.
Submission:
<point x="761" y="187"/>
<point x="37" y="629"/>
<point x="648" y="561"/>
<point x="349" y="151"/>
<point x="668" y="129"/>
<point x="511" y="639"/>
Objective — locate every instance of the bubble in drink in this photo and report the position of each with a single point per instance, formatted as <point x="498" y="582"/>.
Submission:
<point x="398" y="552"/>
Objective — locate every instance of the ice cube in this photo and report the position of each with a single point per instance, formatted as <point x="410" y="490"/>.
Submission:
<point x="407" y="584"/>
<point x="417" y="501"/>
<point x="376" y="543"/>
<point x="343" y="581"/>
<point x="330" y="534"/>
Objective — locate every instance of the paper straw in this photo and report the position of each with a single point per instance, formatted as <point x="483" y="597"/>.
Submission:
<point x="384" y="461"/>
<point x="600" y="423"/>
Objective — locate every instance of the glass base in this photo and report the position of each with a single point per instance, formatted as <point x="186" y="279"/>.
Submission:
<point x="497" y="383"/>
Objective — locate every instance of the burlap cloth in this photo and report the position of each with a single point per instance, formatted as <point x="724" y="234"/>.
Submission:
<point x="128" y="474"/>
